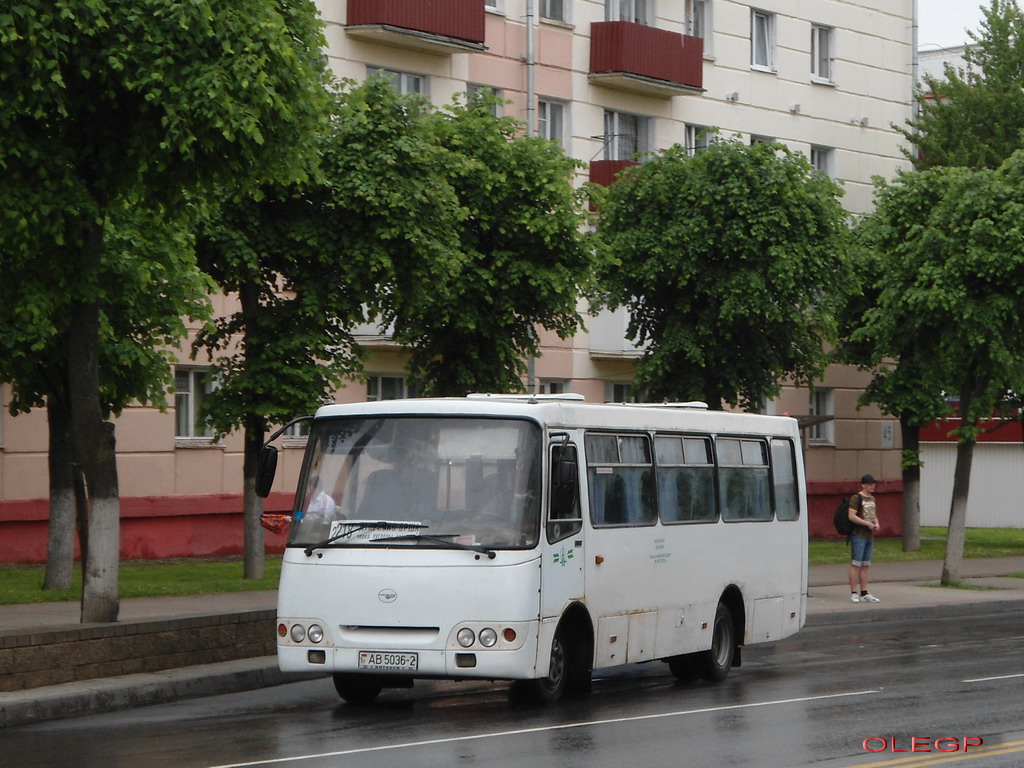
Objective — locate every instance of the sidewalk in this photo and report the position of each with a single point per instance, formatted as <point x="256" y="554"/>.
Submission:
<point x="907" y="590"/>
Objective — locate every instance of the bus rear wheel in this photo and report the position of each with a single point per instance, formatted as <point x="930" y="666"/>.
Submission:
<point x="714" y="664"/>
<point x="357" y="689"/>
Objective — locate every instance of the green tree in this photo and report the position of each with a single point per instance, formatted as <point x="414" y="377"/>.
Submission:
<point x="729" y="262"/>
<point x="974" y="117"/>
<point x="523" y="257"/>
<point x="310" y="261"/>
<point x="150" y="102"/>
<point x="948" y="309"/>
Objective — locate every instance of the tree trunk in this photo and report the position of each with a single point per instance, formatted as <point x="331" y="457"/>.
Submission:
<point x="958" y="513"/>
<point x="252" y="505"/>
<point x="93" y="441"/>
<point x="911" y="439"/>
<point x="60" y="543"/>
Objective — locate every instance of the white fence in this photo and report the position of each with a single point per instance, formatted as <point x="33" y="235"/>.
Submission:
<point x="996" y="498"/>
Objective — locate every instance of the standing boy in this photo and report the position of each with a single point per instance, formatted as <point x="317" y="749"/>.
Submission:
<point x="862" y="541"/>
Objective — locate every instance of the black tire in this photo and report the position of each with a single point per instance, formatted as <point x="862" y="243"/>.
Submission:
<point x="684" y="667"/>
<point x="357" y="689"/>
<point x="550" y="689"/>
<point x="714" y="664"/>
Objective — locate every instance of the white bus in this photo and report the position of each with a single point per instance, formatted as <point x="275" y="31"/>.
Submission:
<point x="536" y="539"/>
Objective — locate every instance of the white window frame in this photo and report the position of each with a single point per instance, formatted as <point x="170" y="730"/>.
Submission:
<point x="189" y="401"/>
<point x="697" y="138"/>
<point x="822" y="403"/>
<point x="555" y="10"/>
<point x="823" y="160"/>
<point x="762" y="40"/>
<point x="822" y="40"/>
<point x="636" y="11"/>
<point x="404" y="82"/>
<point x="375" y="388"/>
<point x="618" y="392"/>
<point x="553" y="120"/>
<point x="698" y="21"/>
<point x="477" y="89"/>
<point x="621" y="141"/>
<point x="553" y="387"/>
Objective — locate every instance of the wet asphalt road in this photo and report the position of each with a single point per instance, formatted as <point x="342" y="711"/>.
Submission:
<point x="857" y="695"/>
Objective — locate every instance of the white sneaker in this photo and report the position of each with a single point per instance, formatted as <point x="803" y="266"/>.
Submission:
<point x="854" y="598"/>
<point x="869" y="598"/>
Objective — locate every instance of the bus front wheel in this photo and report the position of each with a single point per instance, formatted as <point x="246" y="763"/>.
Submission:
<point x="550" y="689"/>
<point x="357" y="689"/>
<point x="714" y="664"/>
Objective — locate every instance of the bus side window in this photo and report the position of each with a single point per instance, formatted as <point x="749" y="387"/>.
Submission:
<point x="787" y="505"/>
<point x="743" y="479"/>
<point x="564" y="517"/>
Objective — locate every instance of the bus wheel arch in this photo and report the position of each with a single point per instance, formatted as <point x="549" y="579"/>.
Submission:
<point x="727" y="632"/>
<point x="571" y="661"/>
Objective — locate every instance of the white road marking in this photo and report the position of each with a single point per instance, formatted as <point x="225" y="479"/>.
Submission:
<point x="542" y="729"/>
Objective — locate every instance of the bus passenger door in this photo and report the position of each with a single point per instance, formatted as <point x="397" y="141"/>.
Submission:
<point x="562" y="563"/>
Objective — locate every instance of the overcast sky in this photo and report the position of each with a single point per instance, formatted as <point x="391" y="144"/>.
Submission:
<point x="943" y="23"/>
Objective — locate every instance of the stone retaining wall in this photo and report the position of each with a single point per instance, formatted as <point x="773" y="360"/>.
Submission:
<point x="74" y="653"/>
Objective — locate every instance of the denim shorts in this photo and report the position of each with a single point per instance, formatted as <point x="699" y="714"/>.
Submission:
<point x="861" y="550"/>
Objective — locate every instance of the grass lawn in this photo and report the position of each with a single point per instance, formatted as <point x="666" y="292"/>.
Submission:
<point x="143" y="578"/>
<point x="980" y="542"/>
<point x="150" y="578"/>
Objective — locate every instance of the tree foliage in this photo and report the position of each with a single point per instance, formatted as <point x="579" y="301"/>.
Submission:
<point x="729" y="262"/>
<point x="310" y="261"/>
<point x="148" y="103"/>
<point x="974" y="116"/>
<point x="949" y="310"/>
<point x="523" y="258"/>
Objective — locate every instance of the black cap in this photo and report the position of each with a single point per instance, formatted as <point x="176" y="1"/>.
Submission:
<point x="867" y="479"/>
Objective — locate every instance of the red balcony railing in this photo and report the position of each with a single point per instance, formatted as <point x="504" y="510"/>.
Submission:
<point x="603" y="172"/>
<point x="459" y="20"/>
<point x="639" y="57"/>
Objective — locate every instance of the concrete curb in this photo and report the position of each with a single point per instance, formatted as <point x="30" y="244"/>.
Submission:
<point x="55" y="702"/>
<point x="909" y="613"/>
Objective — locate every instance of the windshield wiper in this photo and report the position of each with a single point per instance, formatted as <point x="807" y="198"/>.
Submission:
<point x="441" y="538"/>
<point x="360" y="526"/>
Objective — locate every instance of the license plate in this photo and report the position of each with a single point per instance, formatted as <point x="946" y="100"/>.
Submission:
<point x="389" y="661"/>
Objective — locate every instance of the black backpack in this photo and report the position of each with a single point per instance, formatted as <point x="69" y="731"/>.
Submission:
<point x="841" y="518"/>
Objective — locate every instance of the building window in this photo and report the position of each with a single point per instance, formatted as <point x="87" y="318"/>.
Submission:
<point x="822" y="160"/>
<point x="404" y="82"/>
<point x="618" y="393"/>
<point x="388" y="388"/>
<point x="821" y="53"/>
<point x="637" y="11"/>
<point x="191" y="386"/>
<point x="697" y="138"/>
<point x="698" y="20"/>
<point x="492" y="5"/>
<point x="474" y="91"/>
<point x="553" y="387"/>
<point x="625" y="136"/>
<point x="551" y="120"/>
<point x="822" y="404"/>
<point x="762" y="40"/>
<point x="298" y="431"/>
<point x="755" y="139"/>
<point x="553" y="9"/>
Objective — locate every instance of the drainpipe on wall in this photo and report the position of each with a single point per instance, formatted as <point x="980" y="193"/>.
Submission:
<point x="531" y="130"/>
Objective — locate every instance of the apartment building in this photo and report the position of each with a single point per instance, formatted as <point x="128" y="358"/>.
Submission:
<point x="610" y="80"/>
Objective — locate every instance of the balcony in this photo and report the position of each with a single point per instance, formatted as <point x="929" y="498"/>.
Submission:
<point x="435" y="26"/>
<point x="603" y="172"/>
<point x="642" y="59"/>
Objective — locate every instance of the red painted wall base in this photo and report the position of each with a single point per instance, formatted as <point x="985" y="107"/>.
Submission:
<point x="210" y="526"/>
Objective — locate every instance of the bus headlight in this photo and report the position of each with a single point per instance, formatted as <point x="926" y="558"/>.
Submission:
<point x="315" y="633"/>
<point x="488" y="637"/>
<point x="465" y="637"/>
<point x="298" y="633"/>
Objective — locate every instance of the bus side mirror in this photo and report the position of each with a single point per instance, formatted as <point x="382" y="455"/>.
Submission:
<point x="266" y="468"/>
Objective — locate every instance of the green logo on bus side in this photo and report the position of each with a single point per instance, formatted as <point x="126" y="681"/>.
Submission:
<point x="563" y="557"/>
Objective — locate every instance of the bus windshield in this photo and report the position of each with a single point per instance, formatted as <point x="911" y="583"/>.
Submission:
<point x="420" y="482"/>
